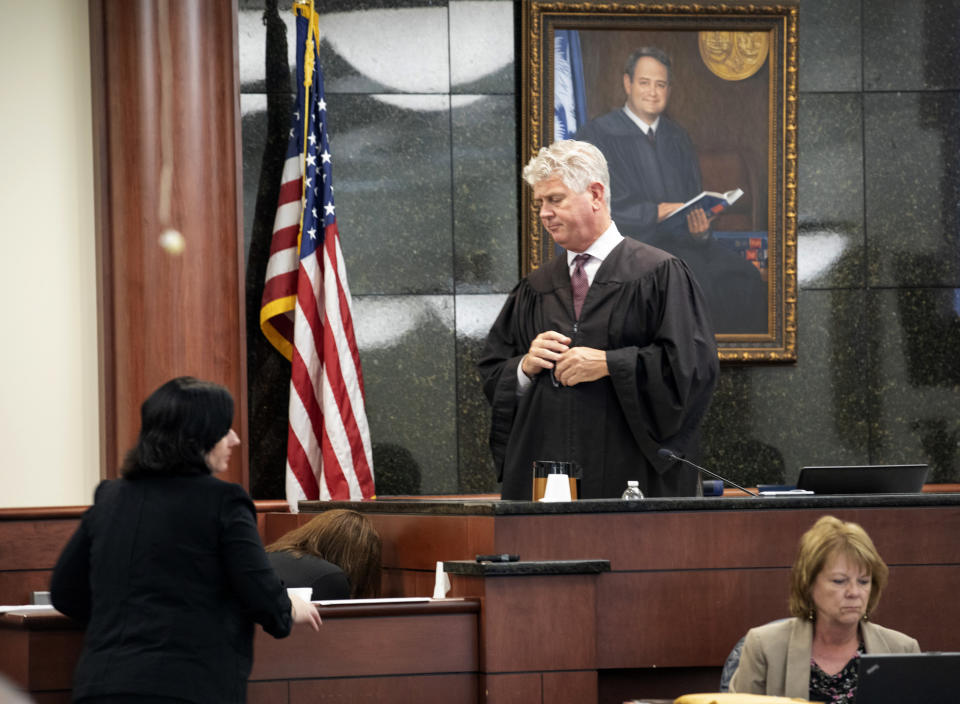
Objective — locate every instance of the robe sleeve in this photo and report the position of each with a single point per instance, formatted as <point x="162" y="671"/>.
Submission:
<point x="505" y="346"/>
<point x="664" y="387"/>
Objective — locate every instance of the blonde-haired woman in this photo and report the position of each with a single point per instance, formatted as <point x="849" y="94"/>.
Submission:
<point x="837" y="580"/>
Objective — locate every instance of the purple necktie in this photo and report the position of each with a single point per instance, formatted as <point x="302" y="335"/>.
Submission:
<point x="651" y="137"/>
<point x="579" y="283"/>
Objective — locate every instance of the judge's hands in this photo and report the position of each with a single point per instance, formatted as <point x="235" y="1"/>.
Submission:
<point x="571" y="365"/>
<point x="304" y="612"/>
<point x="544" y="351"/>
<point x="579" y="364"/>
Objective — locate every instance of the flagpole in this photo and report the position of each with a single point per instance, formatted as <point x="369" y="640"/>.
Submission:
<point x="309" y="56"/>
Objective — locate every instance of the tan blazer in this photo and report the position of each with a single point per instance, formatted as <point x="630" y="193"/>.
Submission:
<point x="776" y="656"/>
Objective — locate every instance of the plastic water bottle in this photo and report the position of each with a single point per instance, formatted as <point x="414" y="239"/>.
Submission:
<point x="632" y="492"/>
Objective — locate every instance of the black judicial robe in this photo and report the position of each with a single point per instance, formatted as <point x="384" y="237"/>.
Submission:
<point x="645" y="309"/>
<point x="641" y="177"/>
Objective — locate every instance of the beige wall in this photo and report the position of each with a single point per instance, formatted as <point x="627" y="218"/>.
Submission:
<point x="49" y="427"/>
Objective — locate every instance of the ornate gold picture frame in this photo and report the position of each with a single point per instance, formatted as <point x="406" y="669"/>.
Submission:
<point x="733" y="90"/>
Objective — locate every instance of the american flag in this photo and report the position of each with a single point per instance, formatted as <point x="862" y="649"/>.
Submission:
<point x="305" y="311"/>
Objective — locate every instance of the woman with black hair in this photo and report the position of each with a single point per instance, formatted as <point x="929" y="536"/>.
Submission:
<point x="167" y="569"/>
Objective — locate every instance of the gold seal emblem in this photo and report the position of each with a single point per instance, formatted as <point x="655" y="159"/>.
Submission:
<point x="734" y="55"/>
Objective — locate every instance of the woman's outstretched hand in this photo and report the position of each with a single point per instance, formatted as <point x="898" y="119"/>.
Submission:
<point x="304" y="612"/>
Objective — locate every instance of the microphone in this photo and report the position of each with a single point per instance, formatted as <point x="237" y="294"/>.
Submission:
<point x="670" y="454"/>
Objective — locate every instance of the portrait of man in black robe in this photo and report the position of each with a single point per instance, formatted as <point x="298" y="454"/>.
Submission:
<point x="603" y="355"/>
<point x="654" y="169"/>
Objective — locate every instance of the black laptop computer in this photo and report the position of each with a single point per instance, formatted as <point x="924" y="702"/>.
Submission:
<point x="911" y="678"/>
<point x="864" y="479"/>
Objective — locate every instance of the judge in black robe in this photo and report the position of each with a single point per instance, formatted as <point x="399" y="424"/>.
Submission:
<point x="645" y="174"/>
<point x="645" y="311"/>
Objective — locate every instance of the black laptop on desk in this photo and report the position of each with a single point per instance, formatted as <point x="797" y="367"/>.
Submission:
<point x="864" y="479"/>
<point x="909" y="678"/>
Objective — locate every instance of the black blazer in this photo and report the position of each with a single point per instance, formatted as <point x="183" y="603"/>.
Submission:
<point x="169" y="576"/>
<point x="327" y="579"/>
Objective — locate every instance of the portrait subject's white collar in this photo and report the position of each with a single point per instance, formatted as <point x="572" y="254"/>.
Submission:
<point x="640" y="123"/>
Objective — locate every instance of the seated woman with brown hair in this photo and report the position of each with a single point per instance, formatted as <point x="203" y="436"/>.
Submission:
<point x="337" y="554"/>
<point x="836" y="583"/>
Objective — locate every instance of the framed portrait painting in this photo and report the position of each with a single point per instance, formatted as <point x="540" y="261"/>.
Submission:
<point x="682" y="100"/>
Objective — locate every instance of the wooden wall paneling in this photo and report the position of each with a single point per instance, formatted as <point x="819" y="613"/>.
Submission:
<point x="164" y="315"/>
<point x="28" y="551"/>
<point x="656" y="540"/>
<point x="428" y="648"/>
<point x="694" y="618"/>
<point x="535" y="622"/>
<point x="16" y="656"/>
<point x="61" y="650"/>
<point x="400" y="583"/>
<point x="570" y="687"/>
<point x="404" y="644"/>
<point x="521" y="688"/>
<point x="460" y="688"/>
<point x="682" y="619"/>
<point x="274" y="525"/>
<point x="919" y="600"/>
<point x="268" y="692"/>
<point x="30" y="544"/>
<point x="417" y="542"/>
<point x="16" y="586"/>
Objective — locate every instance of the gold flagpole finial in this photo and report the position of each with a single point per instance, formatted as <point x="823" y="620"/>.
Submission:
<point x="309" y="63"/>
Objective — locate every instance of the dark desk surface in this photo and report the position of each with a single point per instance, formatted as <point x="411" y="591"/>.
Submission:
<point x="492" y="507"/>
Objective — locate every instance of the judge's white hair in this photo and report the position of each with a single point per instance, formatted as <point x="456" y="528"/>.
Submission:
<point x="577" y="164"/>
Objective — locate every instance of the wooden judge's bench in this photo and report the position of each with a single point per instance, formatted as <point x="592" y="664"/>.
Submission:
<point x="610" y="601"/>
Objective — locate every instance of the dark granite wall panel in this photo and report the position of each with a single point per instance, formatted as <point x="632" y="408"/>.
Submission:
<point x="422" y="101"/>
<point x="408" y="357"/>
<point x="481" y="52"/>
<point x="912" y="154"/>
<point x="768" y="421"/>
<point x="474" y="316"/>
<point x="830" y="39"/>
<point x="485" y="176"/>
<point x="911" y="45"/>
<point x="830" y="166"/>
<point x="393" y="192"/>
<point x="915" y="369"/>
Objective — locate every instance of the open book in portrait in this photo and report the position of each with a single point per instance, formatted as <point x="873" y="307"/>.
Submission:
<point x="712" y="203"/>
